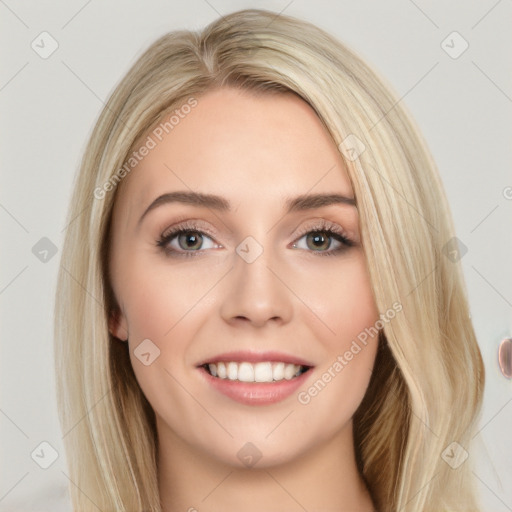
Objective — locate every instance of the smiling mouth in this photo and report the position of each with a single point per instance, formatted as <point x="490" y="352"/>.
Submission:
<point x="265" y="371"/>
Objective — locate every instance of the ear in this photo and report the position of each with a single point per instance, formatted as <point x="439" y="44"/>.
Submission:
<point x="117" y="325"/>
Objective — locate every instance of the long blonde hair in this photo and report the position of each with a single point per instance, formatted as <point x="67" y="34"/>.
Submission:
<point x="426" y="388"/>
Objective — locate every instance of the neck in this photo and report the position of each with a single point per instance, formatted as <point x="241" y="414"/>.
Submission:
<point x="324" y="478"/>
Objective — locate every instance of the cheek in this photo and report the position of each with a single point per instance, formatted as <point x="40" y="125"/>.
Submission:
<point x="347" y="307"/>
<point x="166" y="303"/>
<point x="342" y="298"/>
<point x="158" y="296"/>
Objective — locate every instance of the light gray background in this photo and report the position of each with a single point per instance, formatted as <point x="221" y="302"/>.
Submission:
<point x="463" y="106"/>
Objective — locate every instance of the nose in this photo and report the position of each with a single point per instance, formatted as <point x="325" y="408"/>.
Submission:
<point x="256" y="292"/>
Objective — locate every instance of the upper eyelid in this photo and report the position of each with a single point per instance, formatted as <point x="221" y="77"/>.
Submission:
<point x="189" y="225"/>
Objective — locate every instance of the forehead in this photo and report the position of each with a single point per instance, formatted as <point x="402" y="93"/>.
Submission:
<point x="242" y="146"/>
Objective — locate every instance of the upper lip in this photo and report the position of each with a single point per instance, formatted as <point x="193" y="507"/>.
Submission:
<point x="255" y="357"/>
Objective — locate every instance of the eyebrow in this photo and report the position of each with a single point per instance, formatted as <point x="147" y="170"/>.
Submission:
<point x="299" y="203"/>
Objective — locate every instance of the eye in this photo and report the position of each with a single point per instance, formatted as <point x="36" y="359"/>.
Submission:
<point x="185" y="240"/>
<point x="321" y="237"/>
<point x="188" y="240"/>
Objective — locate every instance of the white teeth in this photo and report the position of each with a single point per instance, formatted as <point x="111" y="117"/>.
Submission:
<point x="289" y="371"/>
<point x="263" y="372"/>
<point x="246" y="372"/>
<point x="278" y="371"/>
<point x="232" y="371"/>
<point x="221" y="370"/>
<point x="258" y="372"/>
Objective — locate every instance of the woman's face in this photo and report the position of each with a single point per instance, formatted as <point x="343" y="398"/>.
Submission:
<point x="256" y="283"/>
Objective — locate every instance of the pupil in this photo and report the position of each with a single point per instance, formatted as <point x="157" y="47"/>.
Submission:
<point x="319" y="238"/>
<point x="192" y="238"/>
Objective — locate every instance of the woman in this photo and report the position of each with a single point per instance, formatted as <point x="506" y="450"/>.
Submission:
<point x="209" y="357"/>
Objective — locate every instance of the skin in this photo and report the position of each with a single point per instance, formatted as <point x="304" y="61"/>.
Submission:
<point x="255" y="151"/>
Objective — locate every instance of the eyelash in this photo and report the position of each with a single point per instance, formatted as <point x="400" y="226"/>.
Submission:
<point x="323" y="226"/>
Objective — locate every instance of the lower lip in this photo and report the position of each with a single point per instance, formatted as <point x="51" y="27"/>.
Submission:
<point x="256" y="393"/>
